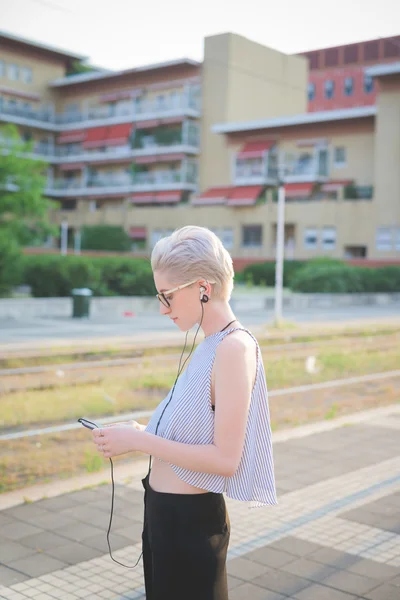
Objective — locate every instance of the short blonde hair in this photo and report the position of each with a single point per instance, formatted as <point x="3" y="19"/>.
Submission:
<point x="193" y="252"/>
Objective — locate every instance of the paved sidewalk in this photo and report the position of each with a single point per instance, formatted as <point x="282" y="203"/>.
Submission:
<point x="335" y="534"/>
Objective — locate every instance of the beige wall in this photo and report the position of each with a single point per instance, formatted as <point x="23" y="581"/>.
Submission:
<point x="353" y="221"/>
<point x="43" y="72"/>
<point x="387" y="152"/>
<point x="243" y="80"/>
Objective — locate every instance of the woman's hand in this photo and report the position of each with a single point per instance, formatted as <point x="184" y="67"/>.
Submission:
<point x="117" y="439"/>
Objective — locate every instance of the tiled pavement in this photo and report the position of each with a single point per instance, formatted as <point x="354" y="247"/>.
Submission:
<point x="335" y="534"/>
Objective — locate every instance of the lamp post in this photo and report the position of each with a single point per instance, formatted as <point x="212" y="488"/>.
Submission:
<point x="64" y="237"/>
<point x="77" y="241"/>
<point x="280" y="244"/>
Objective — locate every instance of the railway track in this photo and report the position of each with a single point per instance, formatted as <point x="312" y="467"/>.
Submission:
<point x="348" y="381"/>
<point x="295" y="349"/>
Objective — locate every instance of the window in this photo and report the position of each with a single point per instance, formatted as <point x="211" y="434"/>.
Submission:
<point x="251" y="235"/>
<point x="225" y="234"/>
<point x="93" y="206"/>
<point x="13" y="72"/>
<point x="397" y="238"/>
<point x="310" y="239"/>
<point x="68" y="204"/>
<point x="157" y="234"/>
<point x="311" y="91"/>
<point x="328" y="238"/>
<point x="160" y="101"/>
<point x="383" y="238"/>
<point x="329" y="88"/>
<point x="339" y="157"/>
<point x="27" y="75"/>
<point x="348" y="86"/>
<point x="368" y="84"/>
<point x="2" y="68"/>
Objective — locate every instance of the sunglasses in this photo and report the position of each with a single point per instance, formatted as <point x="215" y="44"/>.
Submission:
<point x="162" y="296"/>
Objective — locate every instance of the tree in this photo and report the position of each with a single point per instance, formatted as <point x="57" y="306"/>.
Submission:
<point x="24" y="211"/>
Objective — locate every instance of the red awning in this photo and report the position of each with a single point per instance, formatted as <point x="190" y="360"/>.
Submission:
<point x="113" y="135"/>
<point x="143" y="198"/>
<point x="71" y="166"/>
<point x="170" y="197"/>
<point x="335" y="185"/>
<point x="118" y="135"/>
<point x="216" y="195"/>
<point x="298" y="190"/>
<point x="138" y="233"/>
<point x="70" y="137"/>
<point x="244" y="195"/>
<point x="145" y="160"/>
<point x="96" y="137"/>
<point x="255" y="149"/>
<point x="170" y="157"/>
<point x="147" y="124"/>
<point x="171" y="120"/>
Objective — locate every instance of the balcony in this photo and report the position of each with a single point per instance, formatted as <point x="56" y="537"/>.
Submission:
<point x="261" y="171"/>
<point x="184" y="139"/>
<point x="23" y="115"/>
<point x="63" y="154"/>
<point x="39" y="150"/>
<point x="102" y="184"/>
<point x="181" y="104"/>
<point x="306" y="167"/>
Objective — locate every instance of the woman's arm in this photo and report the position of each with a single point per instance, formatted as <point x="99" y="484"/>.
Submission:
<point x="235" y="367"/>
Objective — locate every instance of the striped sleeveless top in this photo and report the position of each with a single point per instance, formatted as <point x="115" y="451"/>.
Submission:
<point x="189" y="419"/>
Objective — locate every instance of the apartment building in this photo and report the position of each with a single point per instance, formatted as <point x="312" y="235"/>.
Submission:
<point x="158" y="147"/>
<point x="339" y="77"/>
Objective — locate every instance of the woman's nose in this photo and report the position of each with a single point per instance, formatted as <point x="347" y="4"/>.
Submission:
<point x="164" y="310"/>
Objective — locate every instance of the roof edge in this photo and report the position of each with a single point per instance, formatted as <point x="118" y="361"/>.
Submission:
<point x="47" y="48"/>
<point x="301" y="119"/>
<point x="105" y="74"/>
<point x="383" y="69"/>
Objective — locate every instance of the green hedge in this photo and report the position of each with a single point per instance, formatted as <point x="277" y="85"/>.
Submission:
<point x="56" y="275"/>
<point x="343" y="278"/>
<point x="264" y="273"/>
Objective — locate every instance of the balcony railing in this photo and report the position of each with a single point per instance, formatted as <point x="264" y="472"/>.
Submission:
<point x="249" y="172"/>
<point x="183" y="103"/>
<point x="149" y="181"/>
<point x="38" y="150"/>
<point x="309" y="168"/>
<point x="169" y="105"/>
<point x="42" y="115"/>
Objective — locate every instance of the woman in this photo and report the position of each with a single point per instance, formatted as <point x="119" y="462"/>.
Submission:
<point x="210" y="435"/>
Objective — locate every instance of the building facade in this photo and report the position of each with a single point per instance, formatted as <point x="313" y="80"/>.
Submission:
<point x="158" y="147"/>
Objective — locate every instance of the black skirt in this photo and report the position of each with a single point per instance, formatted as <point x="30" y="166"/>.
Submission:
<point x="185" y="543"/>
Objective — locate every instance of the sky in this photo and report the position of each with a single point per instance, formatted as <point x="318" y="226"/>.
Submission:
<point x="120" y="34"/>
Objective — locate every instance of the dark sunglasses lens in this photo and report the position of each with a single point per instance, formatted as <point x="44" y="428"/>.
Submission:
<point x="163" y="300"/>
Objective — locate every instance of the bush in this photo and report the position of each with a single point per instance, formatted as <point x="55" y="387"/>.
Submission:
<point x="125" y="277"/>
<point x="264" y="273"/>
<point x="342" y="278"/>
<point x="56" y="275"/>
<point x="105" y="237"/>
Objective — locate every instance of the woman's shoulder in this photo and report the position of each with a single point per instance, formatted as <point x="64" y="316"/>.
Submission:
<point x="238" y="340"/>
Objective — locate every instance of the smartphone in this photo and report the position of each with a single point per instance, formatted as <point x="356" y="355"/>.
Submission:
<point x="88" y="424"/>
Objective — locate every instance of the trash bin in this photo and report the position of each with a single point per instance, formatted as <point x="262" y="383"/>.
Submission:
<point x="80" y="302"/>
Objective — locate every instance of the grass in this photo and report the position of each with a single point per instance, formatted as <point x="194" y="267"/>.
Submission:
<point x="28" y="461"/>
<point x="142" y="387"/>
